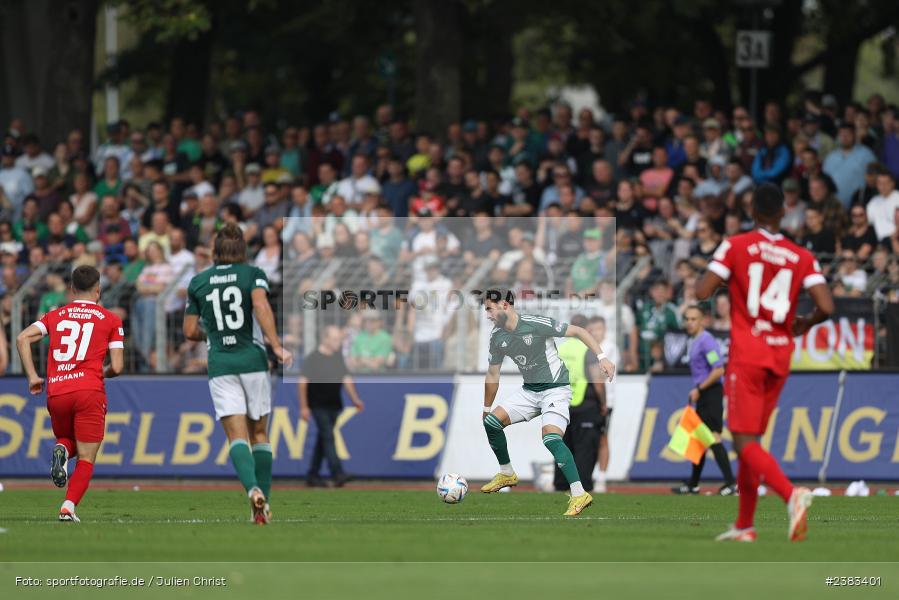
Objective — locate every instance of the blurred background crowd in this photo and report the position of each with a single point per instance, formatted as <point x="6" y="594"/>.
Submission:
<point x="553" y="199"/>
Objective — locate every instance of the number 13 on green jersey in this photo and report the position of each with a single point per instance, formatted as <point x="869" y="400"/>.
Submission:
<point x="222" y="297"/>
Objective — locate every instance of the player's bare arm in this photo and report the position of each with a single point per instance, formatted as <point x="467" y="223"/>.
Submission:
<point x="192" y="330"/>
<point x="116" y="363"/>
<point x="28" y="336"/>
<point x="824" y="307"/>
<point x="583" y="335"/>
<point x="266" y="318"/>
<point x="491" y="386"/>
<point x="707" y="284"/>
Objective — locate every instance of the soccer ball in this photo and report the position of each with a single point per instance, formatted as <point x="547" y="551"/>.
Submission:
<point x="452" y="488"/>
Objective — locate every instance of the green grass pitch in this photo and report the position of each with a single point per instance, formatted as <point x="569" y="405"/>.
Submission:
<point x="392" y="544"/>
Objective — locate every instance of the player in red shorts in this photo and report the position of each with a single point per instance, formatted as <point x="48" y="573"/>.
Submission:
<point x="80" y="333"/>
<point x="764" y="273"/>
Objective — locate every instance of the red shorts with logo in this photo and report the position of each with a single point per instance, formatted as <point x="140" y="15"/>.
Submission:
<point x="78" y="415"/>
<point x="752" y="394"/>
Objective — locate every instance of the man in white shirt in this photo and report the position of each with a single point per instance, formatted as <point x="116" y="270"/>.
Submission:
<point x="882" y="207"/>
<point x="597" y="328"/>
<point x="429" y="312"/>
<point x="354" y="187"/>
<point x="423" y="245"/>
<point x="33" y="157"/>
<point x="114" y="146"/>
<point x="15" y="181"/>
<point x="252" y="197"/>
<point x="179" y="258"/>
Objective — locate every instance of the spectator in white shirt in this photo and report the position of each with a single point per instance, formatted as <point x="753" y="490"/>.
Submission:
<point x="15" y="181"/>
<point x="359" y="183"/>
<point x="33" y="157"/>
<point x="850" y="277"/>
<point x="179" y="257"/>
<point x="882" y="207"/>
<point x="252" y="196"/>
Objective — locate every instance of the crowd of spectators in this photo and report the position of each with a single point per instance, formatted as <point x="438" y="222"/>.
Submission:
<point x="144" y="205"/>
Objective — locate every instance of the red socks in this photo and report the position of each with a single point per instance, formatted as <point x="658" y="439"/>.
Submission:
<point x="69" y="446"/>
<point x="748" y="484"/>
<point x="79" y="481"/>
<point x="757" y="465"/>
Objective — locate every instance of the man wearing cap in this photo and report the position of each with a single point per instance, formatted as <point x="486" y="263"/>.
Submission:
<point x="590" y="266"/>
<point x="252" y="196"/>
<point x="817" y="139"/>
<point x="372" y="347"/>
<point x="273" y="169"/>
<point x="15" y="181"/>
<point x="713" y="144"/>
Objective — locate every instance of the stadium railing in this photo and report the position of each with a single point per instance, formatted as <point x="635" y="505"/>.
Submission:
<point x="168" y="325"/>
<point x="23" y="309"/>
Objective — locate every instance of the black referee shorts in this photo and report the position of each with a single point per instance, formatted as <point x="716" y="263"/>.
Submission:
<point x="710" y="407"/>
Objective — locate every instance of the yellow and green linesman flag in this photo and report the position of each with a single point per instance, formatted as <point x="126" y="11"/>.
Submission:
<point x="692" y="437"/>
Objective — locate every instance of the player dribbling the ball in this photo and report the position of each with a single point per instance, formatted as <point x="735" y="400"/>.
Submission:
<point x="528" y="340"/>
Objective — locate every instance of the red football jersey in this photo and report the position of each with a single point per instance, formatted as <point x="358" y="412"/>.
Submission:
<point x="764" y="273"/>
<point x="80" y="334"/>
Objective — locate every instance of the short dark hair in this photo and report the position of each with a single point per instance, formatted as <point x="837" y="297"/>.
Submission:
<point x="84" y="278"/>
<point x="767" y="200"/>
<point x="702" y="310"/>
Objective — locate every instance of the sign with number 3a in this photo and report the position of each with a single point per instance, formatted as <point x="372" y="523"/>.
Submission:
<point x="753" y="49"/>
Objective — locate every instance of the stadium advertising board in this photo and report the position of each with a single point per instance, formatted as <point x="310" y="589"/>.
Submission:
<point x="844" y="342"/>
<point x="164" y="427"/>
<point x="864" y="430"/>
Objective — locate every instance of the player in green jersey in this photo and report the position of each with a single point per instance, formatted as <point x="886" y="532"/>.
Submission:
<point x="231" y="300"/>
<point x="528" y="341"/>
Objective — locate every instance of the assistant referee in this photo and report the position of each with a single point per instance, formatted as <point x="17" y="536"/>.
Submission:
<point x="706" y="369"/>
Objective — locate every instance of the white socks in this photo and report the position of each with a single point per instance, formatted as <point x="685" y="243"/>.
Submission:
<point x="577" y="489"/>
<point x="69" y="506"/>
<point x="507" y="469"/>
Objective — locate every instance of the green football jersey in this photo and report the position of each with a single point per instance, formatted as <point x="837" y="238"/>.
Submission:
<point x="533" y="348"/>
<point x="221" y="296"/>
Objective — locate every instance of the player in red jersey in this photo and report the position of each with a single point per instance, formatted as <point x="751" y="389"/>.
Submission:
<point x="80" y="334"/>
<point x="764" y="273"/>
